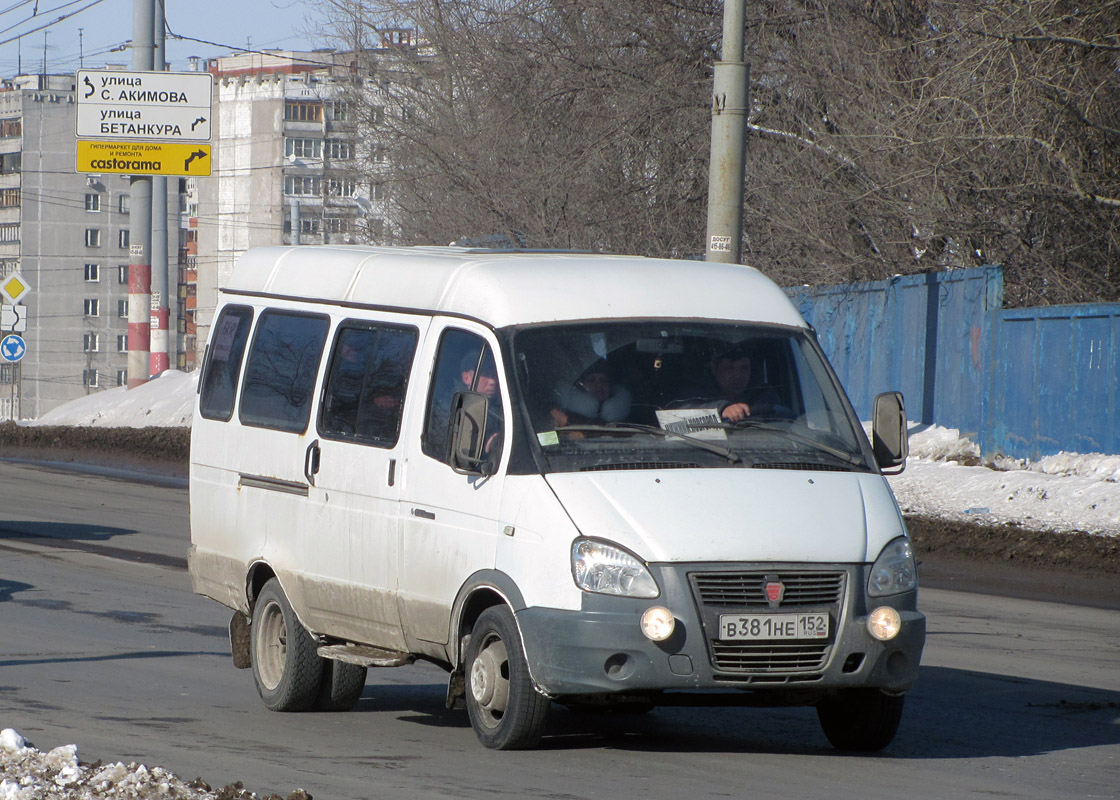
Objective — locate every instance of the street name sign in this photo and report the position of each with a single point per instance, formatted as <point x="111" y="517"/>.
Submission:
<point x="144" y="158"/>
<point x="146" y="106"/>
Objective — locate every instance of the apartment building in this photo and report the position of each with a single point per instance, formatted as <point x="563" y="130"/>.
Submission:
<point x="287" y="166"/>
<point x="67" y="234"/>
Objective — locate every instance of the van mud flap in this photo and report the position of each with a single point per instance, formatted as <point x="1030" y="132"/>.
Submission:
<point x="239" y="639"/>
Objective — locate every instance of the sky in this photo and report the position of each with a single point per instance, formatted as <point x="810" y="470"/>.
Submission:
<point x="106" y="25"/>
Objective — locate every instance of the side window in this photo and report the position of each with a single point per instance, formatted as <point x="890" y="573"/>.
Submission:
<point x="366" y="383"/>
<point x="280" y="373"/>
<point x="464" y="363"/>
<point x="223" y="368"/>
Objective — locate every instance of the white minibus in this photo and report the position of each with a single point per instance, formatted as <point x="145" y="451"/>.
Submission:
<point x="609" y="483"/>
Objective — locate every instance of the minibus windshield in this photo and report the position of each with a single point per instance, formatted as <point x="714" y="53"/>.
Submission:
<point x="633" y="395"/>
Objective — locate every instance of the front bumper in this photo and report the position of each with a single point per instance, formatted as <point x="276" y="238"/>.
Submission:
<point x="601" y="650"/>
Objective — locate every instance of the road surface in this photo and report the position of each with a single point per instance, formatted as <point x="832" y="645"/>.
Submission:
<point x="102" y="644"/>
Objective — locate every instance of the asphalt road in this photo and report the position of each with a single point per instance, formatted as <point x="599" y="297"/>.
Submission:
<point x="102" y="644"/>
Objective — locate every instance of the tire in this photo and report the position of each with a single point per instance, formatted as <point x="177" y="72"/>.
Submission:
<point x="860" y="720"/>
<point x="340" y="687"/>
<point x="286" y="668"/>
<point x="506" y="710"/>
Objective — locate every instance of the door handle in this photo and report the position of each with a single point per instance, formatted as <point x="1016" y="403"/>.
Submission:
<point x="311" y="462"/>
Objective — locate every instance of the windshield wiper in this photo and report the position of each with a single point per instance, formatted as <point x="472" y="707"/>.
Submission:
<point x="636" y="427"/>
<point x="820" y="446"/>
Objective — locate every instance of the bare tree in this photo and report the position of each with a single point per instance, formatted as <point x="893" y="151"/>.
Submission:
<point x="888" y="137"/>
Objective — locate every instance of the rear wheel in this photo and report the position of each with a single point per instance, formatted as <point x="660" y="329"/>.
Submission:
<point x="506" y="711"/>
<point x="860" y="720"/>
<point x="341" y="686"/>
<point x="286" y="668"/>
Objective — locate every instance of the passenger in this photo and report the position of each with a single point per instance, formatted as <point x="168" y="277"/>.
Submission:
<point x="594" y="398"/>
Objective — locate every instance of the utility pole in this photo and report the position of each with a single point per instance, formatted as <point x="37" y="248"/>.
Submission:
<point x="161" y="313"/>
<point x="140" y="222"/>
<point x="730" y="104"/>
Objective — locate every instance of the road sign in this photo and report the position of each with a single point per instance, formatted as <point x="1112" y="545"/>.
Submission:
<point x="144" y="158"/>
<point x="13" y="318"/>
<point x="12" y="348"/>
<point x="147" y="106"/>
<point x="13" y="287"/>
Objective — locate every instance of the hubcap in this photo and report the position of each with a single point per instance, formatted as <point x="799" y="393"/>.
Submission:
<point x="272" y="646"/>
<point x="490" y="680"/>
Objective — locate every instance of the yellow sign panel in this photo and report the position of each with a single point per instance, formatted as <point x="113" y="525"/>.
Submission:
<point x="144" y="158"/>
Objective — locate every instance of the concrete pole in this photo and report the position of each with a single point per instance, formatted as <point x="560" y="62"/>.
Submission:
<point x="161" y="312"/>
<point x="730" y="104"/>
<point x="140" y="223"/>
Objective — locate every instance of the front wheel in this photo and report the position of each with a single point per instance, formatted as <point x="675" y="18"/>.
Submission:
<point x="506" y="711"/>
<point x="287" y="670"/>
<point x="860" y="720"/>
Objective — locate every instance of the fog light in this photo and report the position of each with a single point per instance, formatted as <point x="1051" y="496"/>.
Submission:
<point x="658" y="623"/>
<point x="884" y="623"/>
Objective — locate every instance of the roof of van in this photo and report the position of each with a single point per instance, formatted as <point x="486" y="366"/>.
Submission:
<point x="513" y="287"/>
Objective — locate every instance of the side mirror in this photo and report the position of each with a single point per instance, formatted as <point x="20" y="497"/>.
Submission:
<point x="888" y="432"/>
<point x="468" y="432"/>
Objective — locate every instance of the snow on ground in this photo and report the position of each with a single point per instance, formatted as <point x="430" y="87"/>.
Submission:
<point x="1066" y="492"/>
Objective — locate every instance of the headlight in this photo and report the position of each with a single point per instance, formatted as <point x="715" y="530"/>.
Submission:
<point x="894" y="571"/>
<point x="604" y="568"/>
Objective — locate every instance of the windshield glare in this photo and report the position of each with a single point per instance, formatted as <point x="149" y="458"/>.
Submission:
<point x="628" y="395"/>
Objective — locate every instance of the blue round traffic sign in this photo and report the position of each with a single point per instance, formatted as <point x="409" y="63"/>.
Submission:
<point x="12" y="348"/>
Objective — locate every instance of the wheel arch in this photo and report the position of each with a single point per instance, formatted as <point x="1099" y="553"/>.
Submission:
<point x="481" y="590"/>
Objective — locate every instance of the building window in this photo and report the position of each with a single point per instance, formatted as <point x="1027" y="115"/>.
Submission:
<point x="91" y="307"/>
<point x="93" y="237"/>
<point x="122" y="343"/>
<point x="89" y="378"/>
<point x="122" y="237"/>
<point x="122" y="377"/>
<point x="342" y="187"/>
<point x="122" y="274"/>
<point x="10" y="163"/>
<point x="124" y="203"/>
<point x="375" y="191"/>
<point x="303" y="148"/>
<point x="309" y="225"/>
<point x="9" y="232"/>
<point x="336" y="224"/>
<point x="122" y="309"/>
<point x="11" y="127"/>
<point x="92" y="273"/>
<point x="338" y="110"/>
<point x="9" y="198"/>
<point x="302" y="111"/>
<point x="89" y="342"/>
<point x="93" y="202"/>
<point x="302" y="185"/>
<point x="339" y="150"/>
<point x="377" y="115"/>
<point x="378" y="153"/>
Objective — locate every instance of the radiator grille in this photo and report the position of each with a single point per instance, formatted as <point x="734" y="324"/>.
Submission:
<point x="746" y="589"/>
<point x="769" y="656"/>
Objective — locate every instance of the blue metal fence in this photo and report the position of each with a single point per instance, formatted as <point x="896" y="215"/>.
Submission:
<point x="1021" y="382"/>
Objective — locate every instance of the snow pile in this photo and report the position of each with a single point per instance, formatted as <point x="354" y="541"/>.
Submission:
<point x="27" y="774"/>
<point x="166" y="401"/>
<point x="1065" y="492"/>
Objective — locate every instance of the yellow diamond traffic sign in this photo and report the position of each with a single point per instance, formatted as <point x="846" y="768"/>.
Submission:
<point x="14" y="287"/>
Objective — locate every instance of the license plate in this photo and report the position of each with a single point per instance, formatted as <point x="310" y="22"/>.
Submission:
<point x="769" y="627"/>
